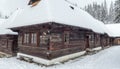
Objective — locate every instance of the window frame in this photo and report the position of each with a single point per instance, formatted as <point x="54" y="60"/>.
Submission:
<point x="29" y="38"/>
<point x="33" y="38"/>
<point x="26" y="39"/>
<point x="66" y="37"/>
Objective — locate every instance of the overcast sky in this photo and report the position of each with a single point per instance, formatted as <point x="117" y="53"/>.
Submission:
<point x="10" y="5"/>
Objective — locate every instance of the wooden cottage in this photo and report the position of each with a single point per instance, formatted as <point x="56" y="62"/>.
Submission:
<point x="8" y="41"/>
<point x="52" y="40"/>
<point x="115" y="37"/>
<point x="50" y="33"/>
<point x="8" y="44"/>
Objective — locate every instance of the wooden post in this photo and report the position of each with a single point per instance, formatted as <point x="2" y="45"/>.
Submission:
<point x="7" y="42"/>
<point x="101" y="41"/>
<point x="87" y="41"/>
<point x="38" y="39"/>
<point x="22" y="38"/>
<point x="94" y="39"/>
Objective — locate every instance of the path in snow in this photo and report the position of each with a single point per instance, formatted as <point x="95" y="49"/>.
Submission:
<point x="106" y="59"/>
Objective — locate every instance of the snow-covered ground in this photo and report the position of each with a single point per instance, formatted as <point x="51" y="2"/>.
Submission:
<point x="106" y="59"/>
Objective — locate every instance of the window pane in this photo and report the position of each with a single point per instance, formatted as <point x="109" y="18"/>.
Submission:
<point x="76" y="36"/>
<point x="33" y="38"/>
<point x="56" y="37"/>
<point x="26" y="38"/>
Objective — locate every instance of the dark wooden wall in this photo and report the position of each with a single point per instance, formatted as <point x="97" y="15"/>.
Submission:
<point x="62" y="40"/>
<point x="8" y="44"/>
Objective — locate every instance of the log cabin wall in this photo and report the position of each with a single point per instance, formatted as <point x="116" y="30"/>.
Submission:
<point x="8" y="44"/>
<point x="52" y="40"/>
<point x="33" y="40"/>
<point x="108" y="41"/>
<point x="66" y="40"/>
<point x="116" y="41"/>
<point x="94" y="39"/>
<point x="105" y="40"/>
<point x="111" y="41"/>
<point x="97" y="40"/>
<point x="102" y="41"/>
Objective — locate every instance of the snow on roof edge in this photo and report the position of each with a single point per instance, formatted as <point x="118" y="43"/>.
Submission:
<point x="93" y="29"/>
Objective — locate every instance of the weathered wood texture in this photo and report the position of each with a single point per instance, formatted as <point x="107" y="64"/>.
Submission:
<point x="35" y="51"/>
<point x="8" y="44"/>
<point x="55" y="40"/>
<point x="117" y="41"/>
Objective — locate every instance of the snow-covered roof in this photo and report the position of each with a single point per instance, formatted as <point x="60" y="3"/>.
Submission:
<point x="3" y="30"/>
<point x="114" y="28"/>
<point x="7" y="31"/>
<point x="4" y="24"/>
<point x="2" y="21"/>
<point x="59" y="11"/>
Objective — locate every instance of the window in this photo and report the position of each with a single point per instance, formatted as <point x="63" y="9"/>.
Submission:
<point x="26" y="38"/>
<point x="97" y="37"/>
<point x="3" y="42"/>
<point x="30" y="38"/>
<point x="44" y="39"/>
<point x="56" y="37"/>
<point x="91" y="37"/>
<point x="76" y="36"/>
<point x="33" y="38"/>
<point x="66" y="37"/>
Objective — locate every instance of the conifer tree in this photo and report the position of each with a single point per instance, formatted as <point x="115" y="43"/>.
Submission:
<point x="117" y="11"/>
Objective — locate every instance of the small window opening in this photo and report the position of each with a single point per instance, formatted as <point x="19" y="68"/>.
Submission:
<point x="33" y="2"/>
<point x="66" y="38"/>
<point x="72" y="7"/>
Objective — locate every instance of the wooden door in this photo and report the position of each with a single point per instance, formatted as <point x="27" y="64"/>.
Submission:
<point x="87" y="42"/>
<point x="15" y="45"/>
